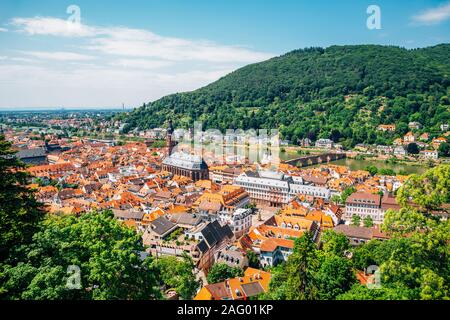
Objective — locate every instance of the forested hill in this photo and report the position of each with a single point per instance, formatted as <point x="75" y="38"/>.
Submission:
<point x="341" y="92"/>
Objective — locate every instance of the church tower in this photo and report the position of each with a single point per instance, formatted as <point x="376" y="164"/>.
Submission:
<point x="169" y="142"/>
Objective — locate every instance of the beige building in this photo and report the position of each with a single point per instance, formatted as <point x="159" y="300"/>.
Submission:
<point x="366" y="204"/>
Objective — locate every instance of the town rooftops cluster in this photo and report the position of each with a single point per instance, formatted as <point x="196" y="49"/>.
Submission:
<point x="214" y="213"/>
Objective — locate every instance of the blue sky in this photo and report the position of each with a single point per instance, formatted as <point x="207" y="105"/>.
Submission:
<point x="137" y="51"/>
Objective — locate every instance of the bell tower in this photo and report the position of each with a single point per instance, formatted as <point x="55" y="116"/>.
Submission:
<point x="169" y="142"/>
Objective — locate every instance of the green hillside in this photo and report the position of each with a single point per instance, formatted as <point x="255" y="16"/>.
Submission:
<point x="341" y="92"/>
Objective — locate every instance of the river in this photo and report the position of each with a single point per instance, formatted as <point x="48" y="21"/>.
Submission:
<point x="256" y="154"/>
<point x="355" y="164"/>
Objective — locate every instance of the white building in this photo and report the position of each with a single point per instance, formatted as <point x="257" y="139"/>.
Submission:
<point x="400" y="151"/>
<point x="239" y="221"/>
<point x="324" y="144"/>
<point x="415" y="125"/>
<point x="385" y="149"/>
<point x="275" y="188"/>
<point x="157" y="133"/>
<point x="429" y="154"/>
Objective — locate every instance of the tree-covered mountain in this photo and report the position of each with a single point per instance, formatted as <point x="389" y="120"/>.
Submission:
<point x="341" y="92"/>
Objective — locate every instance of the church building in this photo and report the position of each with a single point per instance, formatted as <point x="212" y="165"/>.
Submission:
<point x="182" y="163"/>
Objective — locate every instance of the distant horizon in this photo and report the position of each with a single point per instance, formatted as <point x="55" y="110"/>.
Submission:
<point x="11" y="109"/>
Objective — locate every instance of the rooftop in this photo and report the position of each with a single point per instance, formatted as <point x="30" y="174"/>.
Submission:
<point x="186" y="161"/>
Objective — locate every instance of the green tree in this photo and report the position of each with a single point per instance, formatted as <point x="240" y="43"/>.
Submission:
<point x="368" y="222"/>
<point x="412" y="148"/>
<point x="429" y="190"/>
<point x="253" y="259"/>
<point x="20" y="213"/>
<point x="159" y="144"/>
<point x="356" y="220"/>
<point x="336" y="199"/>
<point x="362" y="292"/>
<point x="386" y="172"/>
<point x="278" y="287"/>
<point x="413" y="263"/>
<point x="334" y="243"/>
<point x="347" y="193"/>
<point x="310" y="273"/>
<point x="107" y="253"/>
<point x="334" y="277"/>
<point x="220" y="272"/>
<point x="295" y="280"/>
<point x="300" y="269"/>
<point x="179" y="275"/>
<point x="403" y="221"/>
<point x="433" y="286"/>
<point x="372" y="170"/>
<point x="444" y="149"/>
<point x="365" y="255"/>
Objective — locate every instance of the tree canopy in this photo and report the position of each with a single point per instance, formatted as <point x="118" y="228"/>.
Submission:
<point x="95" y="251"/>
<point x="413" y="263"/>
<point x="429" y="190"/>
<point x="310" y="273"/>
<point x="20" y="213"/>
<point x="178" y="274"/>
<point x="221" y="271"/>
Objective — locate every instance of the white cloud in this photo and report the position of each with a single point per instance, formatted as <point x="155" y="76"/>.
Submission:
<point x="433" y="15"/>
<point x="53" y="26"/>
<point x="3" y="30"/>
<point x="139" y="43"/>
<point x="22" y="59"/>
<point x="60" y="55"/>
<point x="175" y="50"/>
<point x="141" y="63"/>
<point x="92" y="86"/>
<point x="17" y="59"/>
<point x="130" y="66"/>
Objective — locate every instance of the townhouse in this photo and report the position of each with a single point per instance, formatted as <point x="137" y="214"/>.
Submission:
<point x="364" y="204"/>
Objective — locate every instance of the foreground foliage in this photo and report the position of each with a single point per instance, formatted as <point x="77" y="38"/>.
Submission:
<point x="429" y="190"/>
<point x="178" y="274"/>
<point x="20" y="213"/>
<point x="413" y="264"/>
<point x="220" y="272"/>
<point x="107" y="254"/>
<point x="310" y="273"/>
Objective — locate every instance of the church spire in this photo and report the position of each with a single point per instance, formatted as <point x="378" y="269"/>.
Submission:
<point x="170" y="127"/>
<point x="169" y="141"/>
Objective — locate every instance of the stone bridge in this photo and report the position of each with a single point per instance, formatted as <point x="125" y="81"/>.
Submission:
<point x="315" y="159"/>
